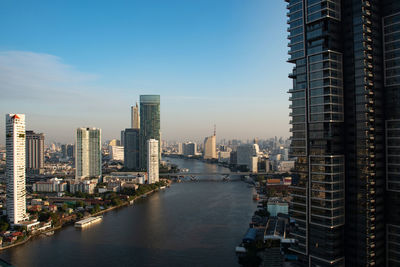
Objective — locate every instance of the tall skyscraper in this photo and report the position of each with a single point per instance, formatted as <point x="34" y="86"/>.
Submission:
<point x="34" y="152"/>
<point x="149" y="125"/>
<point x="122" y="137"/>
<point x="135" y="117"/>
<point x="346" y="73"/>
<point x="210" y="146"/>
<point x="131" y="149"/>
<point x="152" y="161"/>
<point x="88" y="160"/>
<point x="15" y="167"/>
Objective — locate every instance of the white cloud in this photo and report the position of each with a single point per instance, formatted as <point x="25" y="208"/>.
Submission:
<point x="28" y="75"/>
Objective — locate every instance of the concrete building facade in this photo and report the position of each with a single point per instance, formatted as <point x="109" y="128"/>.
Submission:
<point x="15" y="167"/>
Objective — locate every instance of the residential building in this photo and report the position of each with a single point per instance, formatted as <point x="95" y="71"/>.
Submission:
<point x="116" y="152"/>
<point x="131" y="149"/>
<point x="34" y="153"/>
<point x="345" y="99"/>
<point x="86" y="186"/>
<point x="149" y="126"/>
<point x="88" y="160"/>
<point x="152" y="161"/>
<point x="15" y="167"/>
<point x="52" y="185"/>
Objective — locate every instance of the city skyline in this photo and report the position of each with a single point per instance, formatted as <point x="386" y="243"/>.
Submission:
<point x="213" y="75"/>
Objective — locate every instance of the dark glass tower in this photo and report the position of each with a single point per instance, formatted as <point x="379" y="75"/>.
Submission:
<point x="391" y="44"/>
<point x="149" y="125"/>
<point x="340" y="96"/>
<point x="131" y="149"/>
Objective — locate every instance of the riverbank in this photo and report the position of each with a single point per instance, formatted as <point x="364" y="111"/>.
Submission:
<point x="72" y="221"/>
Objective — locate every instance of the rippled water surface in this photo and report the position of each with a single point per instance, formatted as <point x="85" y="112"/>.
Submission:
<point x="188" y="224"/>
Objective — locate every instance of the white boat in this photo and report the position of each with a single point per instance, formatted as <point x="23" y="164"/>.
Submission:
<point x="88" y="221"/>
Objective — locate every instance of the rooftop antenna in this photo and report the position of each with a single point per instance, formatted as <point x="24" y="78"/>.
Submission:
<point x="215" y="130"/>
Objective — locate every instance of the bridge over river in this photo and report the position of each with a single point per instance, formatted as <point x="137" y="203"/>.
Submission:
<point x="211" y="173"/>
<point x="207" y="176"/>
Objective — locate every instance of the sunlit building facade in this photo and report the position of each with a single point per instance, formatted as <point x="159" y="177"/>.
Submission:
<point x="210" y="147"/>
<point x="88" y="159"/>
<point x="15" y="168"/>
<point x="152" y="161"/>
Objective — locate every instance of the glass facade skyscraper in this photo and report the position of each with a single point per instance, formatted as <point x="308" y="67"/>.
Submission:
<point x="149" y="125"/>
<point x="131" y="149"/>
<point x="345" y="97"/>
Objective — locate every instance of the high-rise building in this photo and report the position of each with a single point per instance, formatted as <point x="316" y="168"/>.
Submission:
<point x="116" y="152"/>
<point x="88" y="160"/>
<point x="34" y="153"/>
<point x="135" y="117"/>
<point x="152" y="161"/>
<point x="131" y="149"/>
<point x="189" y="149"/>
<point x="247" y="155"/>
<point x="149" y="125"/>
<point x="210" y="147"/>
<point x="70" y="151"/>
<point x="122" y="137"/>
<point x="345" y="97"/>
<point x="15" y="167"/>
<point x="180" y="148"/>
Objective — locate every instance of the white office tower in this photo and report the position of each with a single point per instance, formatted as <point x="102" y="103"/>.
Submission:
<point x="135" y="117"/>
<point x="15" y="167"/>
<point x="152" y="161"/>
<point x="88" y="153"/>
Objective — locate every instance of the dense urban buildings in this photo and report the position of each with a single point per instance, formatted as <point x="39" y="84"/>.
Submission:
<point x="15" y="167"/>
<point x="88" y="160"/>
<point x="149" y="126"/>
<point x="152" y="161"/>
<point x="345" y="99"/>
<point x="135" y="117"/>
<point x="131" y="149"/>
<point x="34" y="152"/>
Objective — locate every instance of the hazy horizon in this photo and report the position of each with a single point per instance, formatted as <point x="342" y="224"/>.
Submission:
<point x="220" y="63"/>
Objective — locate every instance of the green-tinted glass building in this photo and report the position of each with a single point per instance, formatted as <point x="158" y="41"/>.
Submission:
<point x="149" y="125"/>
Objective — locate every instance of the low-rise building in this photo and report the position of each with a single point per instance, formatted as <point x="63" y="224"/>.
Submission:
<point x="52" y="185"/>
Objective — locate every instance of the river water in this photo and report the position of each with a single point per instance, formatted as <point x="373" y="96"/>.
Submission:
<point x="188" y="224"/>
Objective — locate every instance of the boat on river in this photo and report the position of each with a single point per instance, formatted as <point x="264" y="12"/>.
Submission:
<point x="88" y="221"/>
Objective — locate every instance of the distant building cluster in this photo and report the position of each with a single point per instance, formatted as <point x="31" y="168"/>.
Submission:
<point x="255" y="156"/>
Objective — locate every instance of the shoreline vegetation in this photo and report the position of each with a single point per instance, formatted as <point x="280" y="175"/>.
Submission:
<point x="59" y="225"/>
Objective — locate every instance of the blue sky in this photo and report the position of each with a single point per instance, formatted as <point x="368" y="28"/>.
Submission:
<point x="68" y="64"/>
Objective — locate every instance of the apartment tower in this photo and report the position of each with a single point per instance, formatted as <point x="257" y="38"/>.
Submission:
<point x="15" y="168"/>
<point x="152" y="161"/>
<point x="88" y="160"/>
<point x="344" y="111"/>
<point x="34" y="152"/>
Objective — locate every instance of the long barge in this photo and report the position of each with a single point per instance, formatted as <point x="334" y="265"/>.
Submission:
<point x="88" y="221"/>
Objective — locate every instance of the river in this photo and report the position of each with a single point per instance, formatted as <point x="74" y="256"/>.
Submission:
<point x="188" y="224"/>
